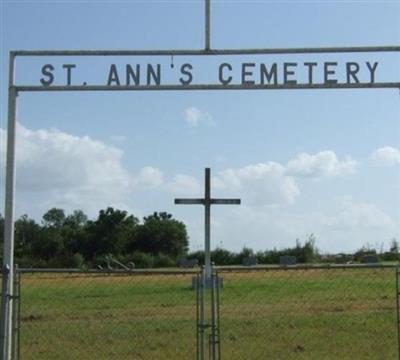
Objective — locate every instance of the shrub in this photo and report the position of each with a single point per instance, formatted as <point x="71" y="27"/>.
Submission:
<point x="77" y="261"/>
<point x="162" y="261"/>
<point x="142" y="260"/>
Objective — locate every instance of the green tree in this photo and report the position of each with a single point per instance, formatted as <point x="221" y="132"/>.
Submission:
<point x="77" y="219"/>
<point x="394" y="246"/>
<point x="74" y="234"/>
<point x="160" y="233"/>
<point x="27" y="237"/>
<point x="51" y="244"/>
<point x="111" y="233"/>
<point x="223" y="257"/>
<point x="54" y="218"/>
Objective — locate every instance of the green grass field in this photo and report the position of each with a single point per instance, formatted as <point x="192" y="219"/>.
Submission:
<point x="275" y="314"/>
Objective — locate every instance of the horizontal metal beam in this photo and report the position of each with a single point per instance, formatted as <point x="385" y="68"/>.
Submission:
<point x="189" y="201"/>
<point x="230" y="268"/>
<point x="262" y="51"/>
<point x="239" y="268"/>
<point x="161" y="271"/>
<point x="202" y="201"/>
<point x="35" y="88"/>
<point x="225" y="201"/>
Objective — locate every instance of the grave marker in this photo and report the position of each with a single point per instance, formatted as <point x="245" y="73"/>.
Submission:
<point x="370" y="259"/>
<point x="287" y="260"/>
<point x="250" y="261"/>
<point x="188" y="263"/>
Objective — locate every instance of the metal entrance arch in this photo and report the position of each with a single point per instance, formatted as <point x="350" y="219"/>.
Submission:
<point x="14" y="90"/>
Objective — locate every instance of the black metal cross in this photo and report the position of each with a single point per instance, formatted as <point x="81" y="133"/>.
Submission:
<point x="207" y="201"/>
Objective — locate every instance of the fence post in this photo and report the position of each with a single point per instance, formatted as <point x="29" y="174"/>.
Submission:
<point x="5" y="304"/>
<point x="218" y="329"/>
<point x="201" y="326"/>
<point x="398" y="310"/>
<point x="198" y="315"/>
<point x="214" y="318"/>
<point x="15" y="321"/>
<point x="8" y="250"/>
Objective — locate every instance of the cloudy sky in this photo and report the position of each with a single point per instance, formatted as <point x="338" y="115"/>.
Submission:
<point x="325" y="162"/>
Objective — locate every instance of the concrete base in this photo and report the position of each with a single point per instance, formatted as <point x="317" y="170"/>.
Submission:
<point x="208" y="283"/>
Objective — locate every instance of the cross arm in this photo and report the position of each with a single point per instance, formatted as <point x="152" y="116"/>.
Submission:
<point x="189" y="201"/>
<point x="225" y="201"/>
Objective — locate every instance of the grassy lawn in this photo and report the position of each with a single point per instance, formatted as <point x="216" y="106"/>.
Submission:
<point x="274" y="314"/>
<point x="310" y="314"/>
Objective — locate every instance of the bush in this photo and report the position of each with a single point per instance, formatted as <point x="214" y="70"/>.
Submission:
<point x="142" y="260"/>
<point x="245" y="253"/>
<point x="269" y="256"/>
<point x="163" y="261"/>
<point x="391" y="256"/>
<point x="223" y="257"/>
<point x="199" y="255"/>
<point x="77" y="261"/>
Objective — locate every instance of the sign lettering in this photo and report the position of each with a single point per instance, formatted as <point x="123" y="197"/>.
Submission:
<point x="245" y="73"/>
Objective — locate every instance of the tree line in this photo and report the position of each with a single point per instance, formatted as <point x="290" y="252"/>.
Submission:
<point x="158" y="240"/>
<point x="62" y="240"/>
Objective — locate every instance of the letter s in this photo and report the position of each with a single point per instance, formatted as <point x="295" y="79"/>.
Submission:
<point x="185" y="70"/>
<point x="47" y="71"/>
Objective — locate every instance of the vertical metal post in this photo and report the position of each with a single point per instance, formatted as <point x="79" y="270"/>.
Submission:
<point x="213" y="317"/>
<point x="16" y="315"/>
<point x="4" y="311"/>
<point x="398" y="311"/>
<point x="215" y="328"/>
<point x="8" y="252"/>
<point x="202" y="325"/>
<point x="19" y="317"/>
<point x="208" y="11"/>
<point x="218" y="333"/>
<point x="207" y="230"/>
<point x="197" y="284"/>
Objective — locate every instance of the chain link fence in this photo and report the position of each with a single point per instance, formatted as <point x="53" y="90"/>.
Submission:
<point x="345" y="312"/>
<point x="107" y="316"/>
<point x="309" y="313"/>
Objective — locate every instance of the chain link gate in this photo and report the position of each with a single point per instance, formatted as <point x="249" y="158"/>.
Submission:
<point x="248" y="298"/>
<point x="208" y="327"/>
<point x="16" y="321"/>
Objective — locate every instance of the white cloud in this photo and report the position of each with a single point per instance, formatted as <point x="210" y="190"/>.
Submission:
<point x="345" y="225"/>
<point x="272" y="183"/>
<point x="196" y="117"/>
<point x="352" y="215"/>
<point x="150" y="176"/>
<point x="72" y="169"/>
<point x="260" y="184"/>
<point x="387" y="155"/>
<point x="185" y="185"/>
<point x="58" y="169"/>
<point x="52" y="159"/>
<point x="322" y="164"/>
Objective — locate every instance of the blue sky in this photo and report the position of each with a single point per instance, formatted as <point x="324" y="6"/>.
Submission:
<point x="309" y="161"/>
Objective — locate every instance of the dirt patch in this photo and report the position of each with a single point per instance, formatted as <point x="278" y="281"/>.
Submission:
<point x="32" y="317"/>
<point x="299" y="348"/>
